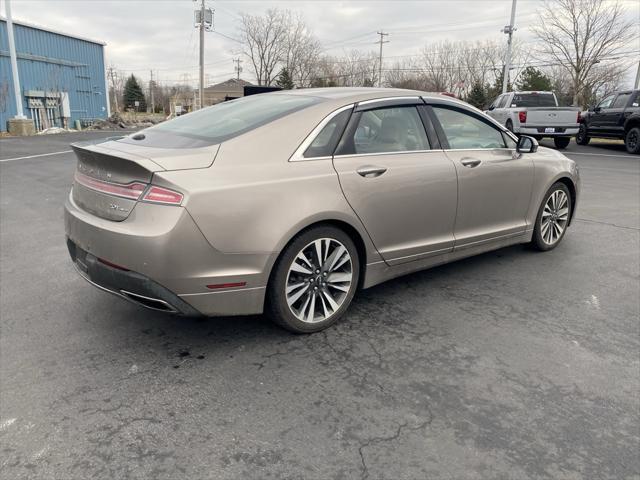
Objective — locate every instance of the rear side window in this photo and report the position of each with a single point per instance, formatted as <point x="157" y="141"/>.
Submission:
<point x="464" y="131"/>
<point x="325" y="143"/>
<point x="533" y="100"/>
<point x="229" y="119"/>
<point x="621" y="100"/>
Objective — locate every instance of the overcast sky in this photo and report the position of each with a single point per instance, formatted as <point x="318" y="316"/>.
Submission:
<point x="159" y="34"/>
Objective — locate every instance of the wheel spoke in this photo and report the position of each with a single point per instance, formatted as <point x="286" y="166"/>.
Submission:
<point x="318" y="245"/>
<point x="332" y="303"/>
<point x="563" y="200"/>
<point x="291" y="299"/>
<point x="339" y="277"/>
<point x="342" y="288"/>
<point x="296" y="267"/>
<point x="329" y="264"/>
<point x="312" y="308"/>
<point x="295" y="286"/>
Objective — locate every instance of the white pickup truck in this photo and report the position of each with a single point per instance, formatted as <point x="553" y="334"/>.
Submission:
<point x="536" y="114"/>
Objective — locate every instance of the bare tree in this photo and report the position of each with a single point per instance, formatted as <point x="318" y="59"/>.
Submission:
<point x="579" y="35"/>
<point x="116" y="87"/>
<point x="264" y="40"/>
<point x="301" y="49"/>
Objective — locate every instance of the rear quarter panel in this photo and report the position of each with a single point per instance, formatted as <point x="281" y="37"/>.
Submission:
<point x="254" y="200"/>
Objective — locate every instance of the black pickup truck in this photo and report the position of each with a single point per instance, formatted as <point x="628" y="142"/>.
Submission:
<point x="616" y="116"/>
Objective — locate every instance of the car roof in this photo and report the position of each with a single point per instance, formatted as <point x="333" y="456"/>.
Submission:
<point x="359" y="94"/>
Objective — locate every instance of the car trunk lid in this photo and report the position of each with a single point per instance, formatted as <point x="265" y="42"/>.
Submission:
<point x="552" y="116"/>
<point x="112" y="176"/>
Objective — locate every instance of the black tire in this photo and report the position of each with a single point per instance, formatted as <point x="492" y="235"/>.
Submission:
<point x="582" y="138"/>
<point x="277" y="306"/>
<point x="632" y="140"/>
<point x="538" y="242"/>
<point x="561" y="142"/>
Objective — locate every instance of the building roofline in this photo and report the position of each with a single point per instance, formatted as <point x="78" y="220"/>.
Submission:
<point x="52" y="30"/>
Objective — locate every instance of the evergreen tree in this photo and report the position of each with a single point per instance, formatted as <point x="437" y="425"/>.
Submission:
<point x="477" y="96"/>
<point x="133" y="93"/>
<point x="284" y="80"/>
<point x="533" y="79"/>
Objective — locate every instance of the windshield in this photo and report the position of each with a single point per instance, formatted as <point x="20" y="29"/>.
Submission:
<point x="533" y="100"/>
<point x="228" y="119"/>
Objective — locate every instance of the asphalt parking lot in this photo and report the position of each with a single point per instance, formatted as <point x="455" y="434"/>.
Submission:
<point x="510" y="365"/>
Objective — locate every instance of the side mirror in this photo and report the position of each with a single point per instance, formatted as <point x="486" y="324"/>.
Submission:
<point x="491" y="107"/>
<point x="597" y="109"/>
<point x="527" y="145"/>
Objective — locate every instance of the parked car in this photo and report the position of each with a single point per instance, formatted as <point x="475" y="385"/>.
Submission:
<point x="536" y="114"/>
<point x="616" y="116"/>
<point x="290" y="201"/>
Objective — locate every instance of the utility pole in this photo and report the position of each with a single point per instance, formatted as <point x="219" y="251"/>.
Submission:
<point x="151" y="85"/>
<point x="204" y="21"/>
<point x="202" y="54"/>
<point x="112" y="75"/>
<point x="14" y="62"/>
<point x="381" y="41"/>
<point x="509" y="29"/>
<point x="237" y="68"/>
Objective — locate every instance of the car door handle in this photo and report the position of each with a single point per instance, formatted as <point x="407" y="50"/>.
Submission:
<point x="470" y="162"/>
<point x="369" y="171"/>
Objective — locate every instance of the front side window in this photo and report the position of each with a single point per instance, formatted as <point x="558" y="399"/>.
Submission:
<point x="606" y="103"/>
<point x="393" y="129"/>
<point x="464" y="131"/>
<point x="621" y="100"/>
<point x="496" y="102"/>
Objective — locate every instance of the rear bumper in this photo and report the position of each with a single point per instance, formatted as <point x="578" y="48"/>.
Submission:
<point x="165" y="259"/>
<point x="126" y="284"/>
<point x="540" y="131"/>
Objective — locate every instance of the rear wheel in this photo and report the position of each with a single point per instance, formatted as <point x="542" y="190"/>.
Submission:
<point x="632" y="140"/>
<point x="314" y="280"/>
<point x="582" y="138"/>
<point x="561" y="142"/>
<point x="553" y="217"/>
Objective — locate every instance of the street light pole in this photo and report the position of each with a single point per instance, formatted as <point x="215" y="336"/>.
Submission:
<point x="14" y="62"/>
<point x="507" y="63"/>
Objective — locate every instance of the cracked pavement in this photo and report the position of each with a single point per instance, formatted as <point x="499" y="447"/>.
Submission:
<point x="510" y="365"/>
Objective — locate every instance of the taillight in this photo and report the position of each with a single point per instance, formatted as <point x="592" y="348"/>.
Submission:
<point x="522" y="116"/>
<point x="157" y="194"/>
<point x="131" y="190"/>
<point x="579" y="119"/>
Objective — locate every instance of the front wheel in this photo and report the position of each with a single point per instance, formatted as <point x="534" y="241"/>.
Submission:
<point x="632" y="140"/>
<point x="561" y="142"/>
<point x="314" y="280"/>
<point x="582" y="138"/>
<point x="553" y="218"/>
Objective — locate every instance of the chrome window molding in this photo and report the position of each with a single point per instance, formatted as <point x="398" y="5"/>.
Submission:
<point x="298" y="155"/>
<point x="416" y="98"/>
<point x="400" y="152"/>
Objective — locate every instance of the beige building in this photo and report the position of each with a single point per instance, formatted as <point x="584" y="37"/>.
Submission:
<point x="231" y="88"/>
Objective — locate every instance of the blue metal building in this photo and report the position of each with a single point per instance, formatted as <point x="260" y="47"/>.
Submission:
<point x="62" y="77"/>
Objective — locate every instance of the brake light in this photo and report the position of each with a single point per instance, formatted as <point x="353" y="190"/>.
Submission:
<point x="131" y="190"/>
<point x="579" y="119"/>
<point x="522" y="116"/>
<point x="157" y="194"/>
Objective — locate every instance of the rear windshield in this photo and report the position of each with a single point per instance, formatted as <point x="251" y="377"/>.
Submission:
<point x="229" y="119"/>
<point x="533" y="100"/>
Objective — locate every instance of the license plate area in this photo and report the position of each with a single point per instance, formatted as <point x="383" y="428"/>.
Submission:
<point x="550" y="130"/>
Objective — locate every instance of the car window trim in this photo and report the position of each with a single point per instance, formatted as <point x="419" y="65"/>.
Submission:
<point x="376" y="103"/>
<point x="444" y="142"/>
<point x="353" y="122"/>
<point x="298" y="154"/>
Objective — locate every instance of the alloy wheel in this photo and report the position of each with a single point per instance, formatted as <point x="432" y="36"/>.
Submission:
<point x="319" y="280"/>
<point x="632" y="140"/>
<point x="555" y="216"/>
